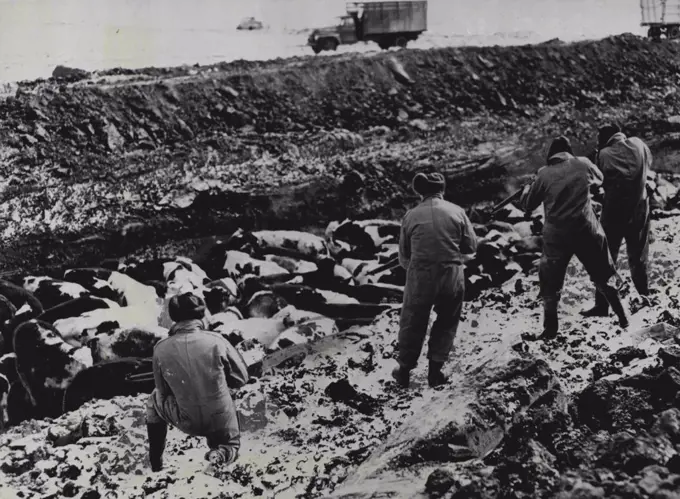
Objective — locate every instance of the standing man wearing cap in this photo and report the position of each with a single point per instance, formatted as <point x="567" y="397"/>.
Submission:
<point x="435" y="237"/>
<point x="193" y="371"/>
<point x="625" y="211"/>
<point x="571" y="228"/>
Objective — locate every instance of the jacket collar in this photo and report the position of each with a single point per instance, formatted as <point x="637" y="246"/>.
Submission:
<point x="190" y="326"/>
<point x="439" y="195"/>
<point x="559" y="158"/>
<point x="617" y="137"/>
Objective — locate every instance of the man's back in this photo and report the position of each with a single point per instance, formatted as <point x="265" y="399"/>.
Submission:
<point x="197" y="368"/>
<point x="624" y="163"/>
<point x="563" y="186"/>
<point x="437" y="231"/>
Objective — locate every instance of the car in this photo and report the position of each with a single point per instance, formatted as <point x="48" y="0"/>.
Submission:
<point x="250" y="23"/>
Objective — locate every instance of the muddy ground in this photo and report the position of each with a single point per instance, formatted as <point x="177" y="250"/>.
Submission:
<point x="152" y="160"/>
<point x="589" y="414"/>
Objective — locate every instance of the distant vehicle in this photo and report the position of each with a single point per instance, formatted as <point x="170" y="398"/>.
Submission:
<point x="250" y="23"/>
<point x="662" y="17"/>
<point x="388" y="24"/>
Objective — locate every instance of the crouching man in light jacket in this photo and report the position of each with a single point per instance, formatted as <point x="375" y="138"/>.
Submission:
<point x="193" y="372"/>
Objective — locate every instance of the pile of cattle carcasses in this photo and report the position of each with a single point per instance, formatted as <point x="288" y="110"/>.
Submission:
<point x="90" y="332"/>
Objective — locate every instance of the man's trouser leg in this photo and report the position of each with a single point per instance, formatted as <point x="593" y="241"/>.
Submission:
<point x="419" y="295"/>
<point x="637" y="246"/>
<point x="614" y="237"/>
<point x="557" y="252"/>
<point x="448" y="305"/>
<point x="552" y="271"/>
<point x="592" y="249"/>
<point x="224" y="444"/>
<point x="157" y="430"/>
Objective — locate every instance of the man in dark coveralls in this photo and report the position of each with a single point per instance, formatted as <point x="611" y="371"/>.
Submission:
<point x="193" y="372"/>
<point x="571" y="228"/>
<point x="624" y="163"/>
<point x="435" y="237"/>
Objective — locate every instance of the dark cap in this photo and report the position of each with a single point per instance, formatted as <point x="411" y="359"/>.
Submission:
<point x="186" y="307"/>
<point x="607" y="132"/>
<point x="560" y="144"/>
<point x="427" y="184"/>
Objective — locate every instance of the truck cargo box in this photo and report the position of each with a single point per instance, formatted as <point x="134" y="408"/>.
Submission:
<point x="406" y="16"/>
<point x="660" y="12"/>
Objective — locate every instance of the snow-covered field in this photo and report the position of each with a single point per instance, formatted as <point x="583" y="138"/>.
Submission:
<point x="37" y="35"/>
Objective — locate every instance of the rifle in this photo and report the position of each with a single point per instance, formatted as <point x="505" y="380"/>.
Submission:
<point x="390" y="264"/>
<point x="139" y="378"/>
<point x="515" y="195"/>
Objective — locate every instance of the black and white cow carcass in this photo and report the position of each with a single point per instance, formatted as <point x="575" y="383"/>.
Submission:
<point x="305" y="332"/>
<point x="19" y="296"/>
<point x="8" y="375"/>
<point x="347" y="311"/>
<point x="95" y="280"/>
<point x="108" y="379"/>
<point x="369" y="272"/>
<point x="15" y="300"/>
<point x="238" y="264"/>
<point x="76" y="307"/>
<point x="118" y="344"/>
<point x="79" y="330"/>
<point x="46" y="365"/>
<point x="7" y="313"/>
<point x="113" y="285"/>
<point x="361" y="239"/>
<point x="286" y="243"/>
<point x="262" y="330"/>
<point x="52" y="292"/>
<point x="71" y="308"/>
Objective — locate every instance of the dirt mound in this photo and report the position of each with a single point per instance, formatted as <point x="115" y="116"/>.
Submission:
<point x="257" y="144"/>
<point x="618" y="438"/>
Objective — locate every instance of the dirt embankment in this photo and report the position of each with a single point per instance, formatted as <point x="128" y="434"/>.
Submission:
<point x="140" y="157"/>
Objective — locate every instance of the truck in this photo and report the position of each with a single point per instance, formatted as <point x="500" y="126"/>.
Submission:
<point x="662" y="17"/>
<point x="388" y="24"/>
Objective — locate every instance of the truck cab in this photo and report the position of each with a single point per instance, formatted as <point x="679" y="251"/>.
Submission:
<point x="389" y="23"/>
<point x="347" y="30"/>
<point x="330" y="37"/>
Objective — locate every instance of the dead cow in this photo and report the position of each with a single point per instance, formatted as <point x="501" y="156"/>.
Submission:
<point x="122" y="343"/>
<point x="46" y="365"/>
<point x="53" y="292"/>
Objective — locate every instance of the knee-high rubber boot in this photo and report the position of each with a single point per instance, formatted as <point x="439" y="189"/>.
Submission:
<point x="550" y="320"/>
<point x="601" y="308"/>
<point x="402" y="375"/>
<point x="640" y="280"/>
<point x="614" y="300"/>
<point x="435" y="376"/>
<point x="156" y="433"/>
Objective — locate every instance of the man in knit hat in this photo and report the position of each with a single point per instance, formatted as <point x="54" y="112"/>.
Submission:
<point x="624" y="163"/>
<point x="435" y="238"/>
<point x="570" y="228"/>
<point x="193" y="372"/>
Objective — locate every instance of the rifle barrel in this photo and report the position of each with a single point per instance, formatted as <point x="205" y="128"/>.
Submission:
<point x="507" y="200"/>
